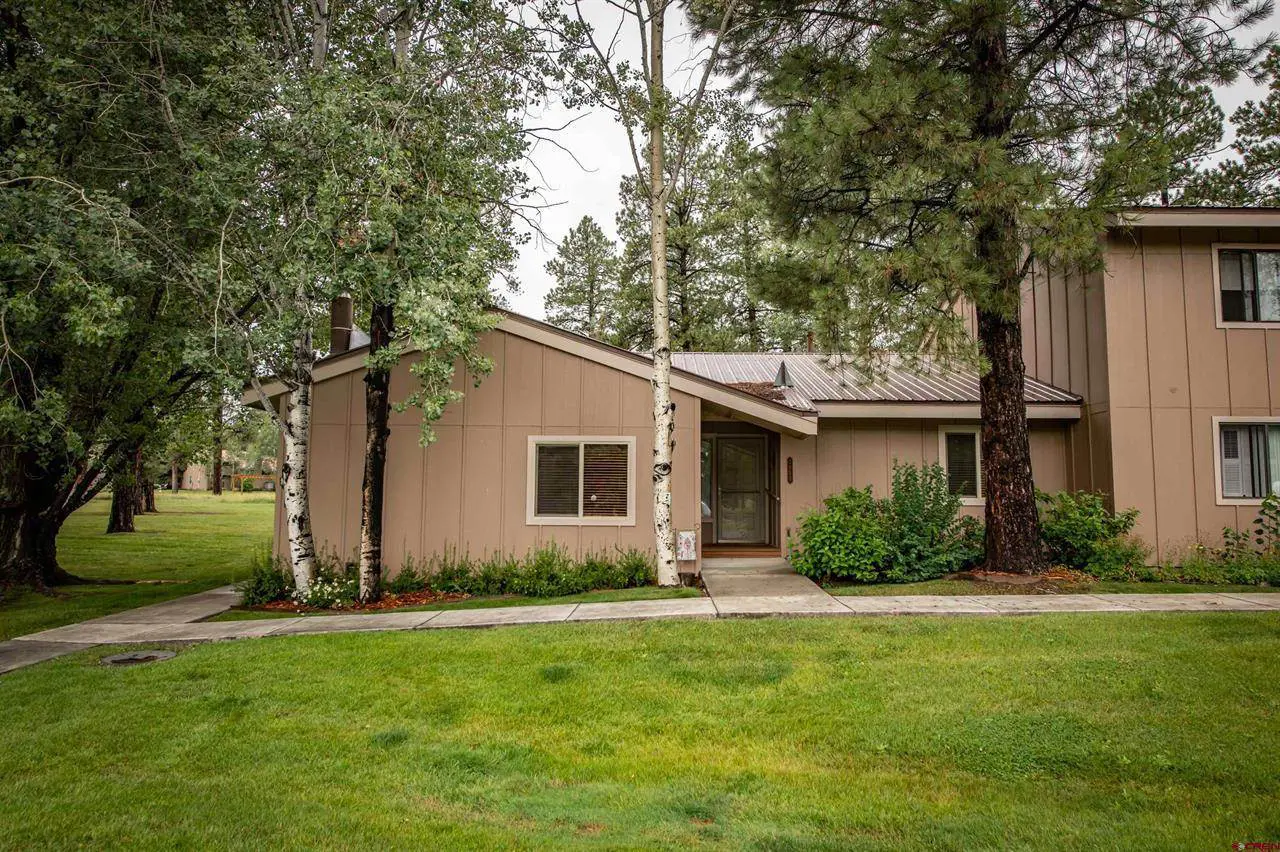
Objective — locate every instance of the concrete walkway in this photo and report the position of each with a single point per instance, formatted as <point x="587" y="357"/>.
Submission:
<point x="741" y="589"/>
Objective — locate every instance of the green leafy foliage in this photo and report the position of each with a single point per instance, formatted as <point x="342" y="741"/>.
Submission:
<point x="269" y="581"/>
<point x="547" y="571"/>
<point x="844" y="539"/>
<point x="922" y="525"/>
<point x="1080" y="532"/>
<point x="1247" y="557"/>
<point x="914" y="534"/>
<point x="117" y="167"/>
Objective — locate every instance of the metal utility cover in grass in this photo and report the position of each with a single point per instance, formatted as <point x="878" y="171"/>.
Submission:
<point x="135" y="658"/>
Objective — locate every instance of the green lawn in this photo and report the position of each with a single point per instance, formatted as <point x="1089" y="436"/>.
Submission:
<point x="197" y="539"/>
<point x="970" y="587"/>
<point x="1152" y="731"/>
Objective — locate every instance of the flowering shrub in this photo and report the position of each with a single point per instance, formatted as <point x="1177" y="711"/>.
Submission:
<point x="330" y="592"/>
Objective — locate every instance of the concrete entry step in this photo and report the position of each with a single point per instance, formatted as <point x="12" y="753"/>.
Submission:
<point x="747" y="565"/>
<point x="765" y="579"/>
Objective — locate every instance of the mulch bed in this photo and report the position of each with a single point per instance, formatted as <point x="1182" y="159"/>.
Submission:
<point x="384" y="603"/>
<point x="1047" y="583"/>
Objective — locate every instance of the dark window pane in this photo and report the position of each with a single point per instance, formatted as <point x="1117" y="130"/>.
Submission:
<point x="604" y="480"/>
<point x="1230" y="276"/>
<point x="556" y="485"/>
<point x="962" y="463"/>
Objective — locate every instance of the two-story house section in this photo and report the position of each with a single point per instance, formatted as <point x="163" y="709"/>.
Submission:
<point x="1175" y="349"/>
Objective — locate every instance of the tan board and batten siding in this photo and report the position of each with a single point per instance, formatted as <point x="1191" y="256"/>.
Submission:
<point x="862" y="452"/>
<point x="1140" y="342"/>
<point x="467" y="491"/>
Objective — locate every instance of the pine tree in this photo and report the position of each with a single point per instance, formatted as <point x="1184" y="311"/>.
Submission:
<point x="921" y="155"/>
<point x="1252" y="177"/>
<point x="585" y="269"/>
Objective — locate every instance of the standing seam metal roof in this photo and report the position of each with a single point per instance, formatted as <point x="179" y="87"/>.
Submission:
<point x="814" y="381"/>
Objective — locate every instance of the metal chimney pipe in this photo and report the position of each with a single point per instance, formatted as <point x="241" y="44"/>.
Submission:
<point x="341" y="317"/>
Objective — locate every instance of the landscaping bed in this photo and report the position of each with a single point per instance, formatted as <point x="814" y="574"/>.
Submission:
<point x="916" y="536"/>
<point x="285" y="609"/>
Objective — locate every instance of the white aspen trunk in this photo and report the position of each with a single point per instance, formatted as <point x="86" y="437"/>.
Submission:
<point x="293" y="472"/>
<point x="663" y="410"/>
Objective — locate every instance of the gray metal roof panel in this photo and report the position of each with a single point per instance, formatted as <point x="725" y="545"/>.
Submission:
<point x="814" y="380"/>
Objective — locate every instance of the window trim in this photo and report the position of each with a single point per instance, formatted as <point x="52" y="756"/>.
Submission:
<point x="1217" y="248"/>
<point x="1228" y="420"/>
<point x="531" y="482"/>
<point x="976" y="431"/>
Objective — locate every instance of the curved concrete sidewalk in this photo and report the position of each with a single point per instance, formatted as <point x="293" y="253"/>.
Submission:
<point x="745" y="591"/>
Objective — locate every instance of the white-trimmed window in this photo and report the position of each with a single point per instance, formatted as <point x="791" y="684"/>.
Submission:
<point x="1248" y="279"/>
<point x="581" y="480"/>
<point x="1248" y="458"/>
<point x="960" y="453"/>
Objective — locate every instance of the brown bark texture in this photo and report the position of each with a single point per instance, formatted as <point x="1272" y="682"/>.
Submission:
<point x="377" y="399"/>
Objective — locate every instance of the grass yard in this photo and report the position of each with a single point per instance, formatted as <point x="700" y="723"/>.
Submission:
<point x="198" y="540"/>
<point x="1054" y="732"/>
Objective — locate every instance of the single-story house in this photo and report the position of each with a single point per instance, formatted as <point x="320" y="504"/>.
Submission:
<point x="1155" y="380"/>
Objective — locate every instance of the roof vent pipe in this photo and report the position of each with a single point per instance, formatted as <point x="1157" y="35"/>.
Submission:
<point x="341" y="317"/>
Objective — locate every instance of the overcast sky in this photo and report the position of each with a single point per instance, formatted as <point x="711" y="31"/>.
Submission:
<point x="580" y="172"/>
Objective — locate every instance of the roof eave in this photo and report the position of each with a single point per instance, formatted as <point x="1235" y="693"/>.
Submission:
<point x="843" y="409"/>
<point x="1193" y="217"/>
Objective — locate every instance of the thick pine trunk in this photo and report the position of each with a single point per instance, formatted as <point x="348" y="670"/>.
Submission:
<point x="1012" y="522"/>
<point x="217" y="448"/>
<point x="149" y="496"/>
<point x="175" y="476"/>
<point x="664" y="425"/>
<point x="377" y="404"/>
<point x="293" y="469"/>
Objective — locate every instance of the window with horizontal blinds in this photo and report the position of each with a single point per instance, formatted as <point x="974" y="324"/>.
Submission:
<point x="1249" y="456"/>
<point x="556" y="488"/>
<point x="604" y="480"/>
<point x="962" y="463"/>
<point x="581" y="481"/>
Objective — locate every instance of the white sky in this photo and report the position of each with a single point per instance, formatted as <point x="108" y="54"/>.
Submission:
<point x="579" y="174"/>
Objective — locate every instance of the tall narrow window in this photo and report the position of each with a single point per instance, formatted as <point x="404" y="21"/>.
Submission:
<point x="1249" y="284"/>
<point x="581" y="481"/>
<point x="962" y="460"/>
<point x="1249" y="460"/>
